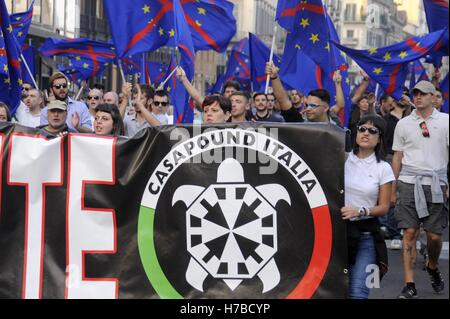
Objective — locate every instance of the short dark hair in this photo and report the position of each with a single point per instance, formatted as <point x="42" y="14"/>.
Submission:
<point x="118" y="127"/>
<point x="232" y="84"/>
<point x="98" y="86"/>
<point x="243" y="94"/>
<point x="147" y="90"/>
<point x="162" y="93"/>
<point x="381" y="125"/>
<point x="384" y="98"/>
<point x="321" y="94"/>
<point x="8" y="112"/>
<point x="258" y="94"/>
<point x="224" y="103"/>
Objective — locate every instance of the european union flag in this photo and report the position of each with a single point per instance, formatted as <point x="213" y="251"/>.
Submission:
<point x="80" y="69"/>
<point x="388" y="66"/>
<point x="307" y="22"/>
<point x="145" y="25"/>
<point x="10" y="79"/>
<point x="259" y="56"/>
<point x="444" y="89"/>
<point x="437" y="19"/>
<point x="183" y="112"/>
<point x="131" y="64"/>
<point x="96" y="51"/>
<point x="29" y="53"/>
<point x="21" y="24"/>
<point x="415" y="69"/>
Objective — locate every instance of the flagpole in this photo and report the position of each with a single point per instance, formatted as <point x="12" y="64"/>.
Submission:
<point x="377" y="89"/>
<point x="161" y="86"/>
<point x="80" y="91"/>
<point x="29" y="71"/>
<point x="124" y="80"/>
<point x="271" y="56"/>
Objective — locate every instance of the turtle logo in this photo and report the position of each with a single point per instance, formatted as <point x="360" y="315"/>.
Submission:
<point x="221" y="230"/>
<point x="231" y="229"/>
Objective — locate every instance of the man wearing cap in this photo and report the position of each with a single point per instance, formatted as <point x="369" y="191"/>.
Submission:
<point x="421" y="142"/>
<point x="78" y="118"/>
<point x="56" y="118"/>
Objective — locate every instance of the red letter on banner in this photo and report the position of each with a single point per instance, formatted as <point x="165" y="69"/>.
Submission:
<point x="34" y="162"/>
<point x="88" y="230"/>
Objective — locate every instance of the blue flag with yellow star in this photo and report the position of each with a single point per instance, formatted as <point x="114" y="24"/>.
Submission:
<point x="388" y="66"/>
<point x="10" y="79"/>
<point x="84" y="68"/>
<point x="145" y="25"/>
<point x="238" y="67"/>
<point x="29" y="53"/>
<point x="259" y="56"/>
<point x="21" y="24"/>
<point x="131" y="64"/>
<point x="437" y="19"/>
<point x="183" y="112"/>
<point x="306" y="21"/>
<point x="97" y="52"/>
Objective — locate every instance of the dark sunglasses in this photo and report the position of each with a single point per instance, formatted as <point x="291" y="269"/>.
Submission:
<point x="371" y="130"/>
<point x="93" y="97"/>
<point x="163" y="104"/>
<point x="424" y="128"/>
<point x="59" y="86"/>
<point x="313" y="105"/>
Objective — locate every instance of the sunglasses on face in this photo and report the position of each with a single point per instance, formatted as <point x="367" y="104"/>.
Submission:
<point x="424" y="128"/>
<point x="59" y="86"/>
<point x="163" y="104"/>
<point x="93" y="97"/>
<point x="371" y="130"/>
<point x="313" y="105"/>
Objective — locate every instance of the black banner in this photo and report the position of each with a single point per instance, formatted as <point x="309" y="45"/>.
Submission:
<point x="230" y="212"/>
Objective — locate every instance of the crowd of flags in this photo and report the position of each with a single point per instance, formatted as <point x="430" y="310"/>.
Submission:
<point x="312" y="54"/>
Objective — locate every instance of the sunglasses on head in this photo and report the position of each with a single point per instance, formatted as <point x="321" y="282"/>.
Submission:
<point x="59" y="86"/>
<point x="371" y="130"/>
<point x="313" y="105"/>
<point x="163" y="104"/>
<point x="424" y="128"/>
<point x="93" y="97"/>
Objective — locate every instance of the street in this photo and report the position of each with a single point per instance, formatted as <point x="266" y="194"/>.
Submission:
<point x="392" y="283"/>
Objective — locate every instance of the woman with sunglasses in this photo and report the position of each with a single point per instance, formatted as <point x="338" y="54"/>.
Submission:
<point x="361" y="108"/>
<point x="108" y="120"/>
<point x="368" y="182"/>
<point x="94" y="99"/>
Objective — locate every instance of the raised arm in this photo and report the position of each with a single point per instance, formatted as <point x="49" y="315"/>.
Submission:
<point x="340" y="100"/>
<point x="193" y="92"/>
<point x="148" y="116"/>
<point x="361" y="88"/>
<point x="278" y="88"/>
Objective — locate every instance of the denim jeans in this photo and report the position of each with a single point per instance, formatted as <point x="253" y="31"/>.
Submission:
<point x="365" y="256"/>
<point x="390" y="223"/>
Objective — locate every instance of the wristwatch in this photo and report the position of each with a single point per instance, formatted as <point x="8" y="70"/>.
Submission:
<point x="362" y="212"/>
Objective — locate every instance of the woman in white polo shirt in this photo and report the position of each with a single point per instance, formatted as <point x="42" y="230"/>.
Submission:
<point x="368" y="181"/>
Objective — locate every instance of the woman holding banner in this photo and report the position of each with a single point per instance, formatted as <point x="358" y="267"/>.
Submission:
<point x="368" y="181"/>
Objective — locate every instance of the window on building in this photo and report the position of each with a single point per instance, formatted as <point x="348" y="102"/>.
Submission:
<point x="99" y="9"/>
<point x="72" y="23"/>
<point x="350" y="12"/>
<point x="350" y="34"/>
<point x="37" y="11"/>
<point x="60" y="8"/>
<point x="19" y="6"/>
<point x="47" y="12"/>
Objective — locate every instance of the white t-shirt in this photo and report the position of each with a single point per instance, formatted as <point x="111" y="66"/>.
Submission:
<point x="25" y="118"/>
<point x="424" y="153"/>
<point x="363" y="178"/>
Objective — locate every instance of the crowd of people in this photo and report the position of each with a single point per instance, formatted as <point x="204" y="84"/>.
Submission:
<point x="393" y="186"/>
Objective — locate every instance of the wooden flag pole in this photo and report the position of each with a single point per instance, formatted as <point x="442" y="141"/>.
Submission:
<point x="122" y="74"/>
